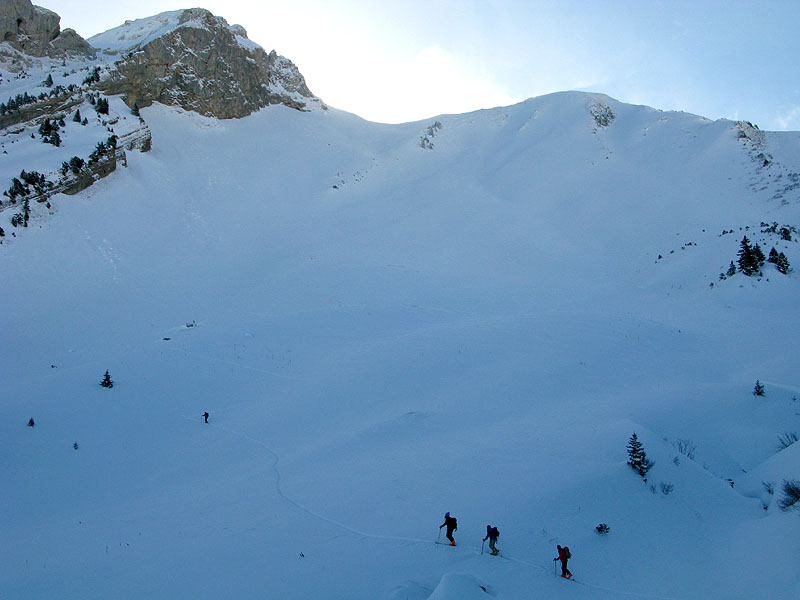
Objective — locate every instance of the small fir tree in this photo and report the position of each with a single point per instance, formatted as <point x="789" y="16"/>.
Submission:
<point x="758" y="390"/>
<point x="135" y="110"/>
<point x="637" y="457"/>
<point x="731" y="270"/>
<point x="773" y="256"/>
<point x="748" y="262"/>
<point x="782" y="263"/>
<point x="758" y="255"/>
<point x="107" y="383"/>
<point x="77" y="117"/>
<point x="49" y="81"/>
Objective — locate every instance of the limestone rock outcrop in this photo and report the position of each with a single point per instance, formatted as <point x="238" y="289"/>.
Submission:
<point x="36" y="31"/>
<point x="197" y="61"/>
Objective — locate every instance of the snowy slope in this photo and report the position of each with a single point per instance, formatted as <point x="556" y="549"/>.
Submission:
<point x="383" y="332"/>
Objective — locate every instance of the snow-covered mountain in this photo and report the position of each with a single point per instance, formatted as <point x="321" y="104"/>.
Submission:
<point x="472" y="314"/>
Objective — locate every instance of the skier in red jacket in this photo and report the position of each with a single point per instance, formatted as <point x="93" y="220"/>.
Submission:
<point x="564" y="555"/>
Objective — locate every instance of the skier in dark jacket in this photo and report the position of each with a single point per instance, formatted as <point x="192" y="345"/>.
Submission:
<point x="452" y="525"/>
<point x="492" y="533"/>
<point x="205" y="416"/>
<point x="564" y="555"/>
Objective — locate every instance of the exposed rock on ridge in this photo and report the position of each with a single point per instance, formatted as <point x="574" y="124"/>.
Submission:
<point x="202" y="64"/>
<point x="36" y="31"/>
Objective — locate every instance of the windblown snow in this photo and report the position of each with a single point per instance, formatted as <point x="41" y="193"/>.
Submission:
<point x="383" y="330"/>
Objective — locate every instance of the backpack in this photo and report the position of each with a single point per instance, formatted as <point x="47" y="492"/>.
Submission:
<point x="453" y="522"/>
<point x="495" y="532"/>
<point x="566" y="552"/>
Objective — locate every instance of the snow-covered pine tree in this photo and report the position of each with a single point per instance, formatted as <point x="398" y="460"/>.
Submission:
<point x="773" y="255"/>
<point x="758" y="390"/>
<point x="637" y="457"/>
<point x="731" y="270"/>
<point x="748" y="263"/>
<point x="758" y="255"/>
<point x="782" y="263"/>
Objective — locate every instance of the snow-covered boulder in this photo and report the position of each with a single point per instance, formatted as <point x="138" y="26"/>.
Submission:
<point x="459" y="586"/>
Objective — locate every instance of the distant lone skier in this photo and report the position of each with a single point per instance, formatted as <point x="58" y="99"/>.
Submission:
<point x="205" y="416"/>
<point x="452" y="525"/>
<point x="564" y="556"/>
<point x="492" y="533"/>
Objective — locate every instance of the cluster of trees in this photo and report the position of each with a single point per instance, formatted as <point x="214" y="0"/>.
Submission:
<point x="751" y="258"/>
<point x="100" y="104"/>
<point x="20" y="219"/>
<point x="77" y="117"/>
<point x="75" y="164"/>
<point x="93" y="77"/>
<point x="16" y="103"/>
<point x="22" y="186"/>
<point x="49" y="131"/>
<point x="103" y="149"/>
<point x="20" y="100"/>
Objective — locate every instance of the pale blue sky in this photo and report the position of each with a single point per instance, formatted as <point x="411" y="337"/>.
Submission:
<point x="410" y="60"/>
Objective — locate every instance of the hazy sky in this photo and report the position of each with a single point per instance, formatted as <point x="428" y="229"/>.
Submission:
<point x="403" y="61"/>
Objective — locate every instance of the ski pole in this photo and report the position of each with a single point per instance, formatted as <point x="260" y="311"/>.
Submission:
<point x="482" y="543"/>
<point x="439" y="537"/>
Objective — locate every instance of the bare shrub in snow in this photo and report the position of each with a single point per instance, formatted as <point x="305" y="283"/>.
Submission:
<point x="686" y="447"/>
<point x="791" y="494"/>
<point x="787" y="439"/>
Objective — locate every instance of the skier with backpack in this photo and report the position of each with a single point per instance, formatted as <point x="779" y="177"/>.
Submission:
<point x="564" y="555"/>
<point x="452" y="525"/>
<point x="492" y="533"/>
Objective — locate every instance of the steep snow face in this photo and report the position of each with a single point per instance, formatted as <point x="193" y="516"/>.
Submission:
<point x="383" y="329"/>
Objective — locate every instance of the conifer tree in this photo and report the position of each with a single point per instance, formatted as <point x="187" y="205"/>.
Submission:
<point x="731" y="270"/>
<point x="107" y="383"/>
<point x="748" y="262"/>
<point x="758" y="255"/>
<point x="758" y="390"/>
<point x="637" y="457"/>
<point x="77" y="117"/>
<point x="773" y="255"/>
<point x="782" y="263"/>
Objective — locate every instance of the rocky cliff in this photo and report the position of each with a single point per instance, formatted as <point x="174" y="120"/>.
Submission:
<point x="195" y="60"/>
<point x="36" y="31"/>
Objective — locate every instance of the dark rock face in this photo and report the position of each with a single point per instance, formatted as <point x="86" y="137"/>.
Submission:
<point x="35" y="30"/>
<point x="205" y="65"/>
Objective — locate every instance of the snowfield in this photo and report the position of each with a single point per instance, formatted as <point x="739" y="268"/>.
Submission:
<point x="383" y="332"/>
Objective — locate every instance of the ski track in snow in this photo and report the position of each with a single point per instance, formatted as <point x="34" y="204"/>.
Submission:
<point x="364" y="534"/>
